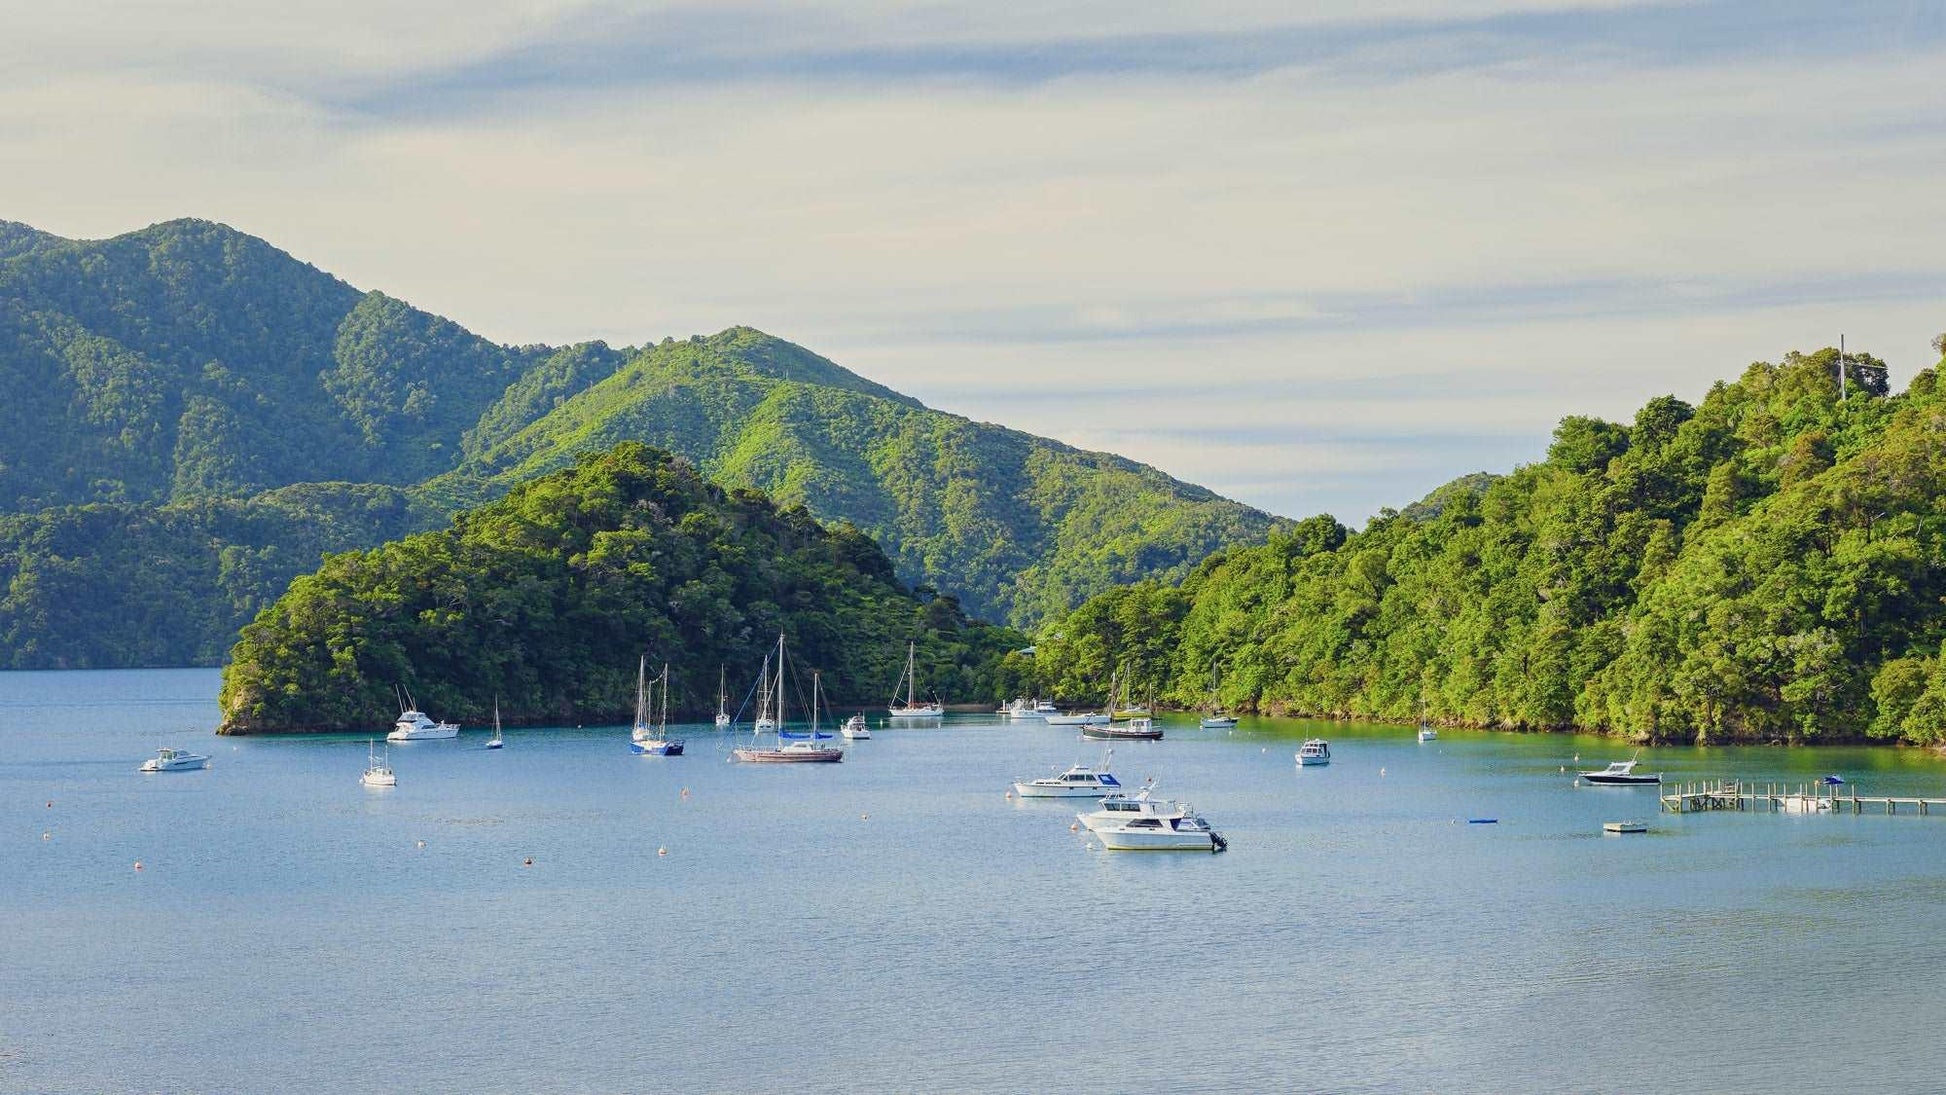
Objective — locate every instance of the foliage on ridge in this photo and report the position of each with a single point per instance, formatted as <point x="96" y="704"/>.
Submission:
<point x="1769" y="565"/>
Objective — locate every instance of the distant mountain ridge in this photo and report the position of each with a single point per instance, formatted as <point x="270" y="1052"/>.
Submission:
<point x="162" y="377"/>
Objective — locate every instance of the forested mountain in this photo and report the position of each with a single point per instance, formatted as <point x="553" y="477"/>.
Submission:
<point x="1769" y="565"/>
<point x="168" y="379"/>
<point x="1016" y="525"/>
<point x="542" y="600"/>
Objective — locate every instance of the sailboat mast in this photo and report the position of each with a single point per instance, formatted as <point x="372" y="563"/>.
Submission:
<point x="641" y="694"/>
<point x="664" y="724"/>
<point x="780" y="684"/>
<point x="911" y="672"/>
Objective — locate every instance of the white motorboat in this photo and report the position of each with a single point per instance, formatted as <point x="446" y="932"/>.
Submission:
<point x="1218" y="721"/>
<point x="912" y="708"/>
<point x="1622" y="773"/>
<point x="1120" y="809"/>
<point x="174" y="760"/>
<point x="1188" y="833"/>
<point x="1079" y="781"/>
<point x="414" y="725"/>
<point x="1802" y="803"/>
<point x="854" y="729"/>
<point x="378" y="773"/>
<point x="800" y="747"/>
<point x="1020" y="708"/>
<point x="1314" y="753"/>
<point x="1044" y="708"/>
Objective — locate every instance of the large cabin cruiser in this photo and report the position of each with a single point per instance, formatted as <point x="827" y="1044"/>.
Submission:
<point x="416" y="726"/>
<point x="1080" y="781"/>
<point x="1185" y="833"/>
<point x="174" y="760"/>
<point x="1314" y="753"/>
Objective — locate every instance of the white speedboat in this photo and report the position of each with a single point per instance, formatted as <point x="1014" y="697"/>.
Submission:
<point x="854" y="729"/>
<point x="174" y="760"/>
<point x="1314" y="753"/>
<point x="378" y="773"/>
<point x="912" y="708"/>
<point x="1188" y="833"/>
<point x="1079" y="781"/>
<point x="414" y="725"/>
<point x="1218" y="721"/>
<point x="1022" y="708"/>
<point x="1622" y="773"/>
<point x="1044" y="708"/>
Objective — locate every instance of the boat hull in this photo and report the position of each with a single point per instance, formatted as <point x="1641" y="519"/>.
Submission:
<point x="656" y="748"/>
<point x="1078" y="720"/>
<point x="1122" y="840"/>
<point x="1030" y="790"/>
<point x="1219" y="722"/>
<point x="1312" y="762"/>
<point x="917" y="712"/>
<point x="180" y="764"/>
<point x="787" y="756"/>
<point x="387" y="780"/>
<point x="1601" y="780"/>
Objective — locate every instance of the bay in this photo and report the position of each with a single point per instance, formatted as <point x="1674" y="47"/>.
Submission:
<point x="895" y="923"/>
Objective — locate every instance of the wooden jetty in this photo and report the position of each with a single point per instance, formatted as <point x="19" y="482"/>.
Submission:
<point x="1806" y="798"/>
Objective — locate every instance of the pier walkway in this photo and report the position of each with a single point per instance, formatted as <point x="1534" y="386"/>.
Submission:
<point x="1807" y="798"/>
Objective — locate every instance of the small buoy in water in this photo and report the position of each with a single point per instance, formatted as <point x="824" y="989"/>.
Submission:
<point x="1091" y="847"/>
<point x="1381" y="773"/>
<point x="1577" y="758"/>
<point x="47" y="836"/>
<point x="1564" y="768"/>
<point x="1577" y="781"/>
<point x="138" y="864"/>
<point x="1074" y="827"/>
<point x="528" y="862"/>
<point x="685" y="792"/>
<point x="864" y="817"/>
<point x="50" y="804"/>
<point x="662" y="851"/>
<point x="1010" y="794"/>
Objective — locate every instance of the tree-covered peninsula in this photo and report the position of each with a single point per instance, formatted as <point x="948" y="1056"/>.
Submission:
<point x="544" y="599"/>
<point x="1767" y="566"/>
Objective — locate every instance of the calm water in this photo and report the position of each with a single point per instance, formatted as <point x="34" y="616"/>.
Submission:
<point x="895" y="923"/>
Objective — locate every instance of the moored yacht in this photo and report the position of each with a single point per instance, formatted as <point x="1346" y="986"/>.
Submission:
<point x="1314" y="753"/>
<point x="1079" y="718"/>
<point x="1185" y="833"/>
<point x="414" y="725"/>
<point x="644" y="739"/>
<point x="1218" y="721"/>
<point x="1119" y="809"/>
<point x="912" y="708"/>
<point x="854" y="729"/>
<point x="174" y="760"/>
<point x="1622" y="773"/>
<point x="793" y="747"/>
<point x="378" y="773"/>
<point x="1136" y="729"/>
<point x="1079" y="781"/>
<point x="722" y="699"/>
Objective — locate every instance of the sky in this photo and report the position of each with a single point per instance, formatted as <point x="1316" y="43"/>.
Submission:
<point x="1317" y="257"/>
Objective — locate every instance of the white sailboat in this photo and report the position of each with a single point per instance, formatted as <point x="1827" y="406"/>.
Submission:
<point x="803" y="747"/>
<point x="722" y="699"/>
<point x="765" y="723"/>
<point x="653" y="741"/>
<point x="911" y="708"/>
<point x="378" y="773"/>
<point x="496" y="741"/>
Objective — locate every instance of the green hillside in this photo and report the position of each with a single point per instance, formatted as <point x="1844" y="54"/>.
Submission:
<point x="1769" y="565"/>
<point x="1018" y="526"/>
<point x="170" y="378"/>
<point x="541" y="601"/>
